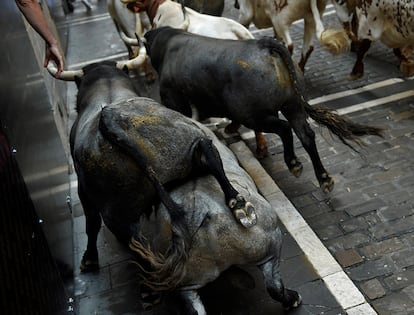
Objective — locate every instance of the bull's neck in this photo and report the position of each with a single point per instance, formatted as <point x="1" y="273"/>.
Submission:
<point x="153" y="8"/>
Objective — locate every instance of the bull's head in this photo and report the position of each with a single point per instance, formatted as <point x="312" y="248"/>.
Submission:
<point x="70" y="75"/>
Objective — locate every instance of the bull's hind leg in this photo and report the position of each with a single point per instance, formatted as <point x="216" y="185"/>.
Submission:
<point x="282" y="128"/>
<point x="209" y="157"/>
<point x="93" y="219"/>
<point x="261" y="143"/>
<point x="275" y="287"/>
<point x="272" y="278"/>
<point x="297" y="119"/>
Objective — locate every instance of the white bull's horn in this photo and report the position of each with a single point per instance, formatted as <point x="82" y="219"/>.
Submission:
<point x="137" y="61"/>
<point x="128" y="40"/>
<point x="65" y="75"/>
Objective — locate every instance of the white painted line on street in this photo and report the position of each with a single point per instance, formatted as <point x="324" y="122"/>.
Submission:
<point x="376" y="102"/>
<point x="369" y="87"/>
<point x="338" y="283"/>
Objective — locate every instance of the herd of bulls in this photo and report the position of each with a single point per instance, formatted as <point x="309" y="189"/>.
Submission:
<point x="160" y="180"/>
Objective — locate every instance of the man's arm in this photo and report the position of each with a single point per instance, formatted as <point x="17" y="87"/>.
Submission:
<point x="35" y="17"/>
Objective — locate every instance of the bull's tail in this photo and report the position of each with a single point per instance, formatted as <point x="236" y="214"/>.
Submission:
<point x="162" y="272"/>
<point x="277" y="47"/>
<point x="166" y="271"/>
<point x="335" y="41"/>
<point x="343" y="128"/>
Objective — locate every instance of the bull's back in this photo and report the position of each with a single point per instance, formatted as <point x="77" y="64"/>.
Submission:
<point x="164" y="137"/>
<point x="218" y="71"/>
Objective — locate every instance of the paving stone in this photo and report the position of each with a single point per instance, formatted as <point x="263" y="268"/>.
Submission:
<point x="391" y="174"/>
<point x="348" y="241"/>
<point x="400" y="280"/>
<point x="372" y="269"/>
<point x="400" y="197"/>
<point x="378" y="249"/>
<point x="354" y="224"/>
<point x="379" y="190"/>
<point x="326" y="219"/>
<point x="409" y="290"/>
<point x="329" y="232"/>
<point x="303" y="200"/>
<point x="403" y="258"/>
<point x="387" y="229"/>
<point x="394" y="304"/>
<point x="408" y="238"/>
<point x="347" y="258"/>
<point x="373" y="289"/>
<point x="347" y="200"/>
<point x="372" y="218"/>
<point x="317" y="300"/>
<point x="407" y="181"/>
<point x="368" y="206"/>
<point x="315" y="209"/>
<point x="92" y="283"/>
<point x="393" y="212"/>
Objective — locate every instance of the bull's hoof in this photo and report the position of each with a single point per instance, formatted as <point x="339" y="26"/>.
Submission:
<point x="407" y="68"/>
<point x="294" y="300"/>
<point x="327" y="183"/>
<point x="296" y="168"/>
<point x="88" y="265"/>
<point x="355" y="76"/>
<point x="243" y="211"/>
<point x="89" y="262"/>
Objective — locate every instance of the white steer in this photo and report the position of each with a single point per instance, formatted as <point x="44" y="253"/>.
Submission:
<point x="280" y="14"/>
<point x="169" y="13"/>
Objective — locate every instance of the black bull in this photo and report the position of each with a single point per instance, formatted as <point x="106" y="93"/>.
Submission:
<point x="248" y="82"/>
<point x="125" y="149"/>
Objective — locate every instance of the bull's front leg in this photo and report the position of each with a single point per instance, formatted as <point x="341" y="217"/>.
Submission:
<point x="242" y="210"/>
<point x="93" y="219"/>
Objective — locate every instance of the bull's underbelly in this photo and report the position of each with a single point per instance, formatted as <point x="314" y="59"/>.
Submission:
<point x="395" y="40"/>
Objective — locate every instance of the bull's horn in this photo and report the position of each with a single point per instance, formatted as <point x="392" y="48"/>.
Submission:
<point x="65" y="75"/>
<point x="128" y="40"/>
<point x="137" y="61"/>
